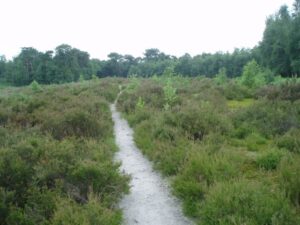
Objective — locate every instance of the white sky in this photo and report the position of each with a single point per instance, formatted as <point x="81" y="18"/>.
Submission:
<point x="131" y="26"/>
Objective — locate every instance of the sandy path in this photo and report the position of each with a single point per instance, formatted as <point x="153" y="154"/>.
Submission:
<point x="149" y="201"/>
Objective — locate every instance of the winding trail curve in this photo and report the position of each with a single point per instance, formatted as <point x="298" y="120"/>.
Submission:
<point x="150" y="201"/>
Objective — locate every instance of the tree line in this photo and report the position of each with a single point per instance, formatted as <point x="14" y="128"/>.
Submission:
<point x="279" y="51"/>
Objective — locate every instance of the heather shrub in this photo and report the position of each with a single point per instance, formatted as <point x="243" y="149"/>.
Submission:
<point x="78" y="124"/>
<point x="246" y="202"/>
<point x="289" y="91"/>
<point x="199" y="174"/>
<point x="198" y="121"/>
<point x="269" y="159"/>
<point x="290" y="140"/>
<point x="268" y="118"/>
<point x="56" y="147"/>
<point x="290" y="178"/>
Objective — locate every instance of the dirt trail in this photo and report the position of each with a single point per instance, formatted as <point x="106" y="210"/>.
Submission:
<point x="149" y="201"/>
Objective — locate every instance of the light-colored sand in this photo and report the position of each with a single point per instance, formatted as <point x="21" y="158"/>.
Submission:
<point x="149" y="201"/>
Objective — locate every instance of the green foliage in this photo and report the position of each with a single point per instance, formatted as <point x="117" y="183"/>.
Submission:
<point x="290" y="179"/>
<point x="170" y="95"/>
<point x="68" y="177"/>
<point x="290" y="141"/>
<point x="35" y="86"/>
<point x="134" y="83"/>
<point x="221" y="77"/>
<point x="199" y="174"/>
<point x="140" y="104"/>
<point x="78" y="124"/>
<point x="244" y="202"/>
<point x="270" y="159"/>
<point x="290" y="90"/>
<point x="221" y="155"/>
<point x="69" y="213"/>
<point x="269" y="118"/>
<point x="81" y="78"/>
<point x="94" y="77"/>
<point x="252" y="75"/>
<point x="235" y="91"/>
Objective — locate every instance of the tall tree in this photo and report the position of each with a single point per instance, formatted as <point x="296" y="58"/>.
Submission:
<point x="294" y="46"/>
<point x="275" y="46"/>
<point x="2" y="67"/>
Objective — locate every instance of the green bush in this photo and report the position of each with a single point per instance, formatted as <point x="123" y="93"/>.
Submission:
<point x="290" y="141"/>
<point x="78" y="124"/>
<point x="35" y="87"/>
<point x="290" y="179"/>
<point x="69" y="213"/>
<point x="199" y="174"/>
<point x="3" y="117"/>
<point x="289" y="91"/>
<point x="268" y="118"/>
<point x="234" y="91"/>
<point x="269" y="159"/>
<point x="38" y="172"/>
<point x="246" y="202"/>
<point x="199" y="121"/>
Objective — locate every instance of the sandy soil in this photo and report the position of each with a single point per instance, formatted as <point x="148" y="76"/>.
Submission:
<point x="150" y="201"/>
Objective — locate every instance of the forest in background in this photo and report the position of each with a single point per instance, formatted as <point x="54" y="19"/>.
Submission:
<point x="277" y="54"/>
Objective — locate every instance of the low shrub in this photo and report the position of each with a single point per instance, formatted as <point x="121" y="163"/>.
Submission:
<point x="269" y="159"/>
<point x="267" y="118"/>
<point x="3" y="117"/>
<point x="199" y="174"/>
<point x="198" y="121"/>
<point x="234" y="91"/>
<point x="290" y="141"/>
<point x="246" y="202"/>
<point x="290" y="178"/>
<point x="289" y="91"/>
<point x="69" y="213"/>
<point x="78" y="124"/>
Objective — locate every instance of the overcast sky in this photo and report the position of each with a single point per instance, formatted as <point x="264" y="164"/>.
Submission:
<point x="131" y="26"/>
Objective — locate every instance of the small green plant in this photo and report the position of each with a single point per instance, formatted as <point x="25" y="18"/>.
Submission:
<point x="94" y="77"/>
<point x="253" y="75"/>
<point x="169" y="72"/>
<point x="140" y="104"/>
<point x="81" y="78"/>
<point x="133" y="83"/>
<point x="221" y="77"/>
<point x="170" y="95"/>
<point x="35" y="87"/>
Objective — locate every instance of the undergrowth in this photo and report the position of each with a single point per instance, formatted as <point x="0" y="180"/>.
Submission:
<point x="230" y="148"/>
<point x="56" y="155"/>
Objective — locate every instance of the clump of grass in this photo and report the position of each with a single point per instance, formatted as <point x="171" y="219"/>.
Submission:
<point x="269" y="159"/>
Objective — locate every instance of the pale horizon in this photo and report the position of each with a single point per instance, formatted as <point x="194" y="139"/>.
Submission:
<point x="129" y="27"/>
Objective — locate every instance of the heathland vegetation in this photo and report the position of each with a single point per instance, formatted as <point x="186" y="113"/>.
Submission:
<point x="230" y="147"/>
<point x="56" y="151"/>
<point x="223" y="127"/>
